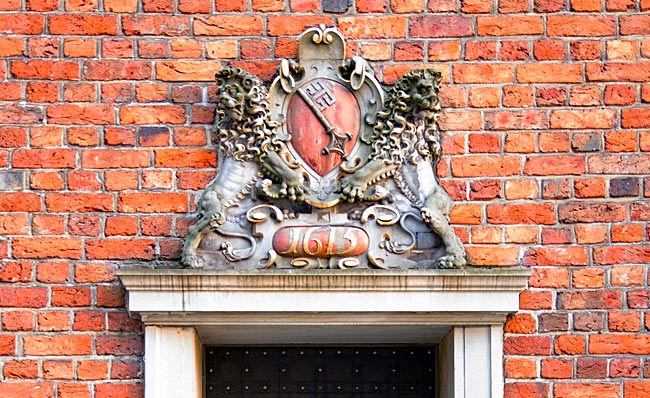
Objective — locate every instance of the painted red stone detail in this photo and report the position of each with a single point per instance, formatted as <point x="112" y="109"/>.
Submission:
<point x="309" y="136"/>
<point x="320" y="241"/>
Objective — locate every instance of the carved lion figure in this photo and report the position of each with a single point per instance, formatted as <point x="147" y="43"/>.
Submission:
<point x="245" y="135"/>
<point x="406" y="146"/>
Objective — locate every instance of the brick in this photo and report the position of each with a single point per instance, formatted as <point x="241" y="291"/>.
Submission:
<point x="585" y="96"/>
<point x="17" y="321"/>
<point x="635" y="118"/>
<point x="549" y="73"/>
<point x="110" y="296"/>
<point x="41" y="136"/>
<point x="460" y="121"/>
<point x="68" y="296"/>
<point x="521" y="234"/>
<point x="121" y="180"/>
<point x="550" y="96"/>
<point x="579" y="119"/>
<point x="92" y="370"/>
<point x="516" y="120"/>
<point x="79" y="225"/>
<point x="290" y="25"/>
<point x="519" y="143"/>
<point x="535" y="300"/>
<point x="617" y="141"/>
<point x="21" y="369"/>
<point x="119" y="249"/>
<point x="635" y="24"/>
<point x="553" y="322"/>
<point x="13" y="114"/>
<point x="640" y="212"/>
<point x="103" y="158"/>
<point x="620" y="95"/>
<point x="58" y="345"/>
<point x="45" y="224"/>
<point x="193" y="180"/>
<point x="185" y="158"/>
<point x="10" y="5"/>
<point x="546" y="50"/>
<point x="229" y="25"/>
<point x="585" y="5"/>
<point x="484" y="97"/>
<point x="26" y="390"/>
<point x="145" y="25"/>
<point x="589" y="188"/>
<point x="556" y="369"/>
<point x="619" y="164"/>
<point x="514" y="50"/>
<point x="158" y="6"/>
<point x="157" y="179"/>
<point x="510" y="26"/>
<point x="513" y="6"/>
<point x="626" y="276"/>
<point x="119" y="390"/>
<point x="588" y="321"/>
<point x="591" y="213"/>
<point x="520" y="214"/>
<point x="466" y="214"/>
<point x="117" y="70"/>
<point x="624" y="187"/>
<point x="589" y="299"/>
<point x="618" y="321"/>
<point x="46" y="248"/>
<point x="61" y="370"/>
<point x="53" y="272"/>
<point x="21" y="24"/>
<point x="125" y="6"/>
<point x="484" y="143"/>
<point x="481" y="73"/>
<point x="517" y="96"/>
<point x="588" y="278"/>
<point x="73" y="390"/>
<point x="11" y="46"/>
<point x="619" y="344"/>
<point x="492" y="256"/>
<point x="122" y="370"/>
<point x="527" y="345"/>
<point x="161" y="114"/>
<point x="570" y="255"/>
<point x="625" y="367"/>
<point x="83" y="24"/>
<point x="575" y="390"/>
<point x="520" y="368"/>
<point x="474" y="166"/>
<point x="520" y="324"/>
<point x="555" y="189"/>
<point x="152" y="202"/>
<point x="590" y="26"/>
<point x="634" y="389"/>
<point x="117" y="48"/>
<point x="555" y="165"/>
<point x="556" y="236"/>
<point x="528" y="390"/>
<point x="480" y="50"/>
<point x="591" y="368"/>
<point x="622" y="49"/>
<point x="183" y="71"/>
<point x="569" y="345"/>
<point x="439" y="26"/>
<point x="621" y="255"/>
<point x="487" y="235"/>
<point x="14" y="224"/>
<point x="618" y="72"/>
<point x="88" y="320"/>
<point x="485" y="190"/>
<point x="81" y="202"/>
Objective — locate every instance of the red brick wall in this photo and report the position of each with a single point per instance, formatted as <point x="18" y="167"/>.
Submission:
<point x="106" y="108"/>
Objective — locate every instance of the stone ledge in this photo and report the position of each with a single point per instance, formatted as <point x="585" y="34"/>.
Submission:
<point x="472" y="279"/>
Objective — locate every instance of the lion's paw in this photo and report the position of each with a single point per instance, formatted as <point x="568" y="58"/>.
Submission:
<point x="451" y="261"/>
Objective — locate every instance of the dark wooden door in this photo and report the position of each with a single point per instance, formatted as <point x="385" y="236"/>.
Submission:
<point x="326" y="372"/>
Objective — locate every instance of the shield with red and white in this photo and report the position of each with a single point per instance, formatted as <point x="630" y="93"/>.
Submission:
<point x="324" y="119"/>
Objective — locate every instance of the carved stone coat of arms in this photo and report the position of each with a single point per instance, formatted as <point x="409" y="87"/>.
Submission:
<point x="325" y="169"/>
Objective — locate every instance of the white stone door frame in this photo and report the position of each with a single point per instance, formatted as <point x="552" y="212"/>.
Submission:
<point x="463" y="310"/>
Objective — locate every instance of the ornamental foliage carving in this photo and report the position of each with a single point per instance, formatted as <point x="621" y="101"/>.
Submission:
<point x="325" y="169"/>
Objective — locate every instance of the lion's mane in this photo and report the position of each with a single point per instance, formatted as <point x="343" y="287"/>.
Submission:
<point x="413" y="100"/>
<point x="255" y="134"/>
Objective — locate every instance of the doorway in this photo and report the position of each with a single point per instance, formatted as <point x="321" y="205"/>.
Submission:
<point x="321" y="372"/>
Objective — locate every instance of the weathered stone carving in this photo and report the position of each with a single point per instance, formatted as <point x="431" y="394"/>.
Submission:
<point x="322" y="172"/>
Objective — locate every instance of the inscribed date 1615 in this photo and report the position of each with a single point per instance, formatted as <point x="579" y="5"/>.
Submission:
<point x="320" y="241"/>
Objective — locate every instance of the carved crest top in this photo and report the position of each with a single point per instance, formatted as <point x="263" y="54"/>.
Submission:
<point x="325" y="169"/>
